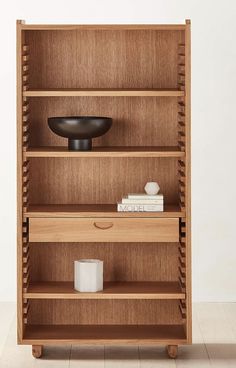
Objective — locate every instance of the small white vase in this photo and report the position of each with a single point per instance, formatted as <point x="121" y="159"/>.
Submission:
<point x="152" y="188"/>
<point x="88" y="275"/>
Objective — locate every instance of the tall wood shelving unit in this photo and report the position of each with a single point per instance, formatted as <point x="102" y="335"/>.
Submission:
<point x="140" y="76"/>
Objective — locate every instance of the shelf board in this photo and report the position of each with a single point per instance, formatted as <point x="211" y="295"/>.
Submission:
<point x="112" y="290"/>
<point x="118" y="151"/>
<point x="96" y="210"/>
<point x="104" y="334"/>
<point x="118" y="92"/>
<point x="105" y="27"/>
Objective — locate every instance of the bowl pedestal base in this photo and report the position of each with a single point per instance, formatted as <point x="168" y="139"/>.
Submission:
<point x="79" y="144"/>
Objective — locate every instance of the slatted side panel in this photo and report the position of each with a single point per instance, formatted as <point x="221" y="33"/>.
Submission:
<point x="182" y="266"/>
<point x="26" y="269"/>
<point x="25" y="124"/>
<point x="188" y="178"/>
<point x="181" y="100"/>
<point x="25" y="180"/>
<point x="182" y="176"/>
<point x="25" y="87"/>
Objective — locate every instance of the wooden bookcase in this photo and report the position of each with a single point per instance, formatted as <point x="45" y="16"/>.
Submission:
<point x="140" y="76"/>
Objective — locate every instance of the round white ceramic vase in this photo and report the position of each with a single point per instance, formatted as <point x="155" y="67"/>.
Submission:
<point x="152" y="188"/>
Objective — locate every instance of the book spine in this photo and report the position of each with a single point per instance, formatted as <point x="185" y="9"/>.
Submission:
<point x="142" y="201"/>
<point x="146" y="197"/>
<point x="139" y="208"/>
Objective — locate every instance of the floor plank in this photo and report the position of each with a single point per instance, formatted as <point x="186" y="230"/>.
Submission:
<point x="121" y="356"/>
<point x="155" y="357"/>
<point x="213" y="323"/>
<point x="54" y="357"/>
<point x="193" y="356"/>
<point x="197" y="335"/>
<point x="222" y="355"/>
<point x="87" y="356"/>
<point x="15" y="356"/>
<point x="7" y="310"/>
<point x="230" y="312"/>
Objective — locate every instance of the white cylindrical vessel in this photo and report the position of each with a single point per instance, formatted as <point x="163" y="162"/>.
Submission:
<point x="88" y="275"/>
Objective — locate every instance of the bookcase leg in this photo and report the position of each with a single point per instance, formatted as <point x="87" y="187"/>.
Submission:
<point x="37" y="351"/>
<point x="172" y="351"/>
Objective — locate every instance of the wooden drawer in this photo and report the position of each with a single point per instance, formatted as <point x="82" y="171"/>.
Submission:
<point x="103" y="230"/>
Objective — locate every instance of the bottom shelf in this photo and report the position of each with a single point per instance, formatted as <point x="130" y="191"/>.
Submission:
<point x="104" y="334"/>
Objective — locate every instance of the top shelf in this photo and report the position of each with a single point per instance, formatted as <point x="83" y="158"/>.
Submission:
<point x="117" y="92"/>
<point x="104" y="27"/>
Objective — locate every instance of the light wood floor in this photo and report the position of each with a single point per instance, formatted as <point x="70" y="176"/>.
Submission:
<point x="214" y="345"/>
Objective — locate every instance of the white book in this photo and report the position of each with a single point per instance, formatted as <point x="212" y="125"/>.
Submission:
<point x="142" y="201"/>
<point x="145" y="196"/>
<point x="140" y="207"/>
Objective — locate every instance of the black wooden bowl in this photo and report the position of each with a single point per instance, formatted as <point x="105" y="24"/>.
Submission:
<point x="79" y="129"/>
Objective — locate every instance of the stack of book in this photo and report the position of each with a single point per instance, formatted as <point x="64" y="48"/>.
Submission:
<point x="141" y="203"/>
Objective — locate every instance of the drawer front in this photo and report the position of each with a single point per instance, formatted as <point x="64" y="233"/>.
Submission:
<point x="103" y="230"/>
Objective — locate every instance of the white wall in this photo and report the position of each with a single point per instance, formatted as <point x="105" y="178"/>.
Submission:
<point x="213" y="125"/>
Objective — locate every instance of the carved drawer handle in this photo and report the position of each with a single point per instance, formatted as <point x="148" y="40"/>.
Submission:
<point x="103" y="225"/>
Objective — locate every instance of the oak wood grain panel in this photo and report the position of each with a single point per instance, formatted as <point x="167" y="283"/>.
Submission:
<point x="20" y="41"/>
<point x="98" y="180"/>
<point x="96" y="210"/>
<point x="111" y="290"/>
<point x="105" y="27"/>
<point x="137" y="121"/>
<point x="135" y="151"/>
<point x="122" y="261"/>
<point x="101" y="59"/>
<point x="104" y="92"/>
<point x="105" y="334"/>
<point x="97" y="312"/>
<point x="188" y="177"/>
<point x="103" y="230"/>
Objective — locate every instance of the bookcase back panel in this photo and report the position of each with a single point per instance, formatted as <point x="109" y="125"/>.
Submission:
<point x="99" y="180"/>
<point x="103" y="59"/>
<point x="122" y="262"/>
<point x="137" y="121"/>
<point x="99" y="312"/>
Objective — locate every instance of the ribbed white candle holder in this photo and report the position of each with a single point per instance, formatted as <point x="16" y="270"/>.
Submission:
<point x="88" y="275"/>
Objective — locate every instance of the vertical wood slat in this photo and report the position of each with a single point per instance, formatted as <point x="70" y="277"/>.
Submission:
<point x="25" y="126"/>
<point x="188" y="178"/>
<point x="182" y="255"/>
<point x="20" y="322"/>
<point x="184" y="177"/>
<point x="25" y="257"/>
<point x="23" y="180"/>
<point x="26" y="307"/>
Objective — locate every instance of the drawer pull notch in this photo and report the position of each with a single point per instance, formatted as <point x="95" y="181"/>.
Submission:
<point x="103" y="225"/>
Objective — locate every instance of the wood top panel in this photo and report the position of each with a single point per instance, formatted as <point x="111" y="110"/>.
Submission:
<point x="109" y="27"/>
